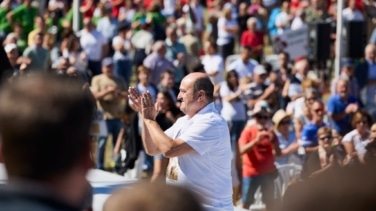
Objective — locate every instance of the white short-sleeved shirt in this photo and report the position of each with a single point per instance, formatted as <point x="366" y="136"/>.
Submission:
<point x="214" y="63"/>
<point x="350" y="15"/>
<point x="358" y="142"/>
<point x="208" y="170"/>
<point x="92" y="43"/>
<point x="224" y="37"/>
<point x="243" y="70"/>
<point x="231" y="111"/>
<point x="294" y="89"/>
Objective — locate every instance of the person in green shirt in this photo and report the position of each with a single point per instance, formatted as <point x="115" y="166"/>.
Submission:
<point x="24" y="14"/>
<point x="5" y="26"/>
<point x="138" y="19"/>
<point x="67" y="21"/>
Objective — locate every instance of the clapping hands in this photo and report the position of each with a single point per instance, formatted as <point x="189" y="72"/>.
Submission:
<point x="144" y="104"/>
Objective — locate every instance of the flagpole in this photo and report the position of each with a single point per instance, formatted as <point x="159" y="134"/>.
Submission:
<point x="339" y="38"/>
<point x="76" y="15"/>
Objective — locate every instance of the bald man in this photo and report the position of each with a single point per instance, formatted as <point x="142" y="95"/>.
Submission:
<point x="198" y="144"/>
<point x="365" y="73"/>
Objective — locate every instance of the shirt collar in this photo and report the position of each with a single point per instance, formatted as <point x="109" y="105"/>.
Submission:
<point x="208" y="108"/>
<point x="169" y="42"/>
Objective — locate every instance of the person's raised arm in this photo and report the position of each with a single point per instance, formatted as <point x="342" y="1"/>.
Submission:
<point x="163" y="143"/>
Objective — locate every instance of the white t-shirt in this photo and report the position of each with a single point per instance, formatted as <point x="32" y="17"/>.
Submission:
<point x="359" y="143"/>
<point x="92" y="43"/>
<point x="224" y="37"/>
<point x="282" y="18"/>
<point x="350" y="15"/>
<point x="207" y="171"/>
<point x="243" y="70"/>
<point x="168" y="7"/>
<point x="297" y="23"/>
<point x="211" y="64"/>
<point x="231" y="111"/>
<point x="299" y="105"/>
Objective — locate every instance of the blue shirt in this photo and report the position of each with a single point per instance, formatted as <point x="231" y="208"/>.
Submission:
<point x="309" y="134"/>
<point x="335" y="106"/>
<point x="283" y="144"/>
<point x="271" y="24"/>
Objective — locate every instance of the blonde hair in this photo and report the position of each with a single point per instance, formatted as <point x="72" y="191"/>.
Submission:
<point x="226" y="11"/>
<point x="324" y="130"/>
<point x="143" y="69"/>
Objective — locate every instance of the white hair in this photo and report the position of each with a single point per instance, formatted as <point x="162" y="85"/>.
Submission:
<point x="251" y="20"/>
<point x="158" y="45"/>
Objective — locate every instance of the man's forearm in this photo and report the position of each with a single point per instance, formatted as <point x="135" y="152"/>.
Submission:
<point x="149" y="146"/>
<point x="339" y="116"/>
<point x="161" y="141"/>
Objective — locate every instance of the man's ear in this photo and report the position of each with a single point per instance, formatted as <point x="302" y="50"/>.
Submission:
<point x="201" y="95"/>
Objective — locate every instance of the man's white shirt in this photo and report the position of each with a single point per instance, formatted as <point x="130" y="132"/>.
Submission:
<point x="208" y="170"/>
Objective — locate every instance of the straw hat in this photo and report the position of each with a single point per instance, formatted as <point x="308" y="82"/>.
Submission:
<point x="279" y="116"/>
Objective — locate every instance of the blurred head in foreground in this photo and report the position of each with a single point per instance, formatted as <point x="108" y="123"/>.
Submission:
<point x="350" y="188"/>
<point x="153" y="196"/>
<point x="44" y="127"/>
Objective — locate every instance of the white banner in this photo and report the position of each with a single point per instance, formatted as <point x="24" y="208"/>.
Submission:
<point x="293" y="42"/>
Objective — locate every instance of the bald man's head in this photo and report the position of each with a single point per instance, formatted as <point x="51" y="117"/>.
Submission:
<point x="153" y="196"/>
<point x="370" y="52"/>
<point x="201" y="81"/>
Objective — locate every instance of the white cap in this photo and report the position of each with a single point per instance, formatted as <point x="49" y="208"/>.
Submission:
<point x="259" y="70"/>
<point x="10" y="47"/>
<point x="107" y="61"/>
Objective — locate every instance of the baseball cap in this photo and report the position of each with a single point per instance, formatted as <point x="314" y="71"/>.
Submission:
<point x="107" y="61"/>
<point x="259" y="70"/>
<point x="347" y="62"/>
<point x="9" y="47"/>
<point x="261" y="107"/>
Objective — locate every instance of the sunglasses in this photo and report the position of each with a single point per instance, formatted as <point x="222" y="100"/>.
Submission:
<point x="326" y="138"/>
<point x="264" y="117"/>
<point x="311" y="99"/>
<point x="318" y="110"/>
<point x="285" y="122"/>
<point x="362" y="121"/>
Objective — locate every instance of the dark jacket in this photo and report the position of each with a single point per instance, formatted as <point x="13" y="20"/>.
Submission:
<point x="133" y="144"/>
<point x="361" y="74"/>
<point x="31" y="197"/>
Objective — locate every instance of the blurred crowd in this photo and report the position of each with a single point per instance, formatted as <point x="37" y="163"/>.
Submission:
<point x="293" y="114"/>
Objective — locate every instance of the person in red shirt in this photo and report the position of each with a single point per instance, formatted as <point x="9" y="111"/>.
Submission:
<point x="253" y="39"/>
<point x="87" y="8"/>
<point x="116" y="5"/>
<point x="257" y="145"/>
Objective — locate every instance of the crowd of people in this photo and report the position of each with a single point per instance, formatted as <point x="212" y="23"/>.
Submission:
<point x="133" y="54"/>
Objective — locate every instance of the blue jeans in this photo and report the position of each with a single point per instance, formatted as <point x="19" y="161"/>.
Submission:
<point x="250" y="185"/>
<point x="236" y="128"/>
<point x="123" y="69"/>
<point x="113" y="126"/>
